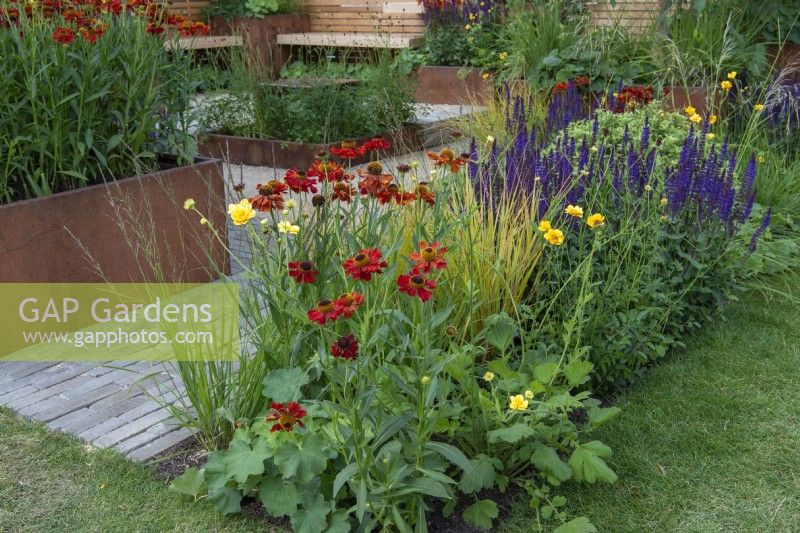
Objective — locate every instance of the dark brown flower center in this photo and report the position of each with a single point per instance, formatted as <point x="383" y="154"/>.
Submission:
<point x="361" y="259"/>
<point x="375" y="168"/>
<point x="306" y="265"/>
<point x="428" y="254"/>
<point x="447" y="154"/>
<point x="417" y="281"/>
<point x="325" y="306"/>
<point x="344" y="342"/>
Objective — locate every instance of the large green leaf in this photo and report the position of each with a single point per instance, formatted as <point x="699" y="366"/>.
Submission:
<point x="576" y="525"/>
<point x="481" y="474"/>
<point x="451" y="453"/>
<point x="587" y="463"/>
<point x="511" y="434"/>
<point x="191" y="482"/>
<point x="546" y="459"/>
<point x="279" y="498"/>
<point x="304" y="461"/>
<point x="242" y="461"/>
<point x="226" y="500"/>
<point x="283" y="385"/>
<point x="481" y="513"/>
<point x="600" y="415"/>
<point x="577" y="371"/>
<point x="311" y="517"/>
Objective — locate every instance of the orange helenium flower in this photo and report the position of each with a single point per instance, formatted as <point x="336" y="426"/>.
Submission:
<point x="364" y="264"/>
<point x="285" y="416"/>
<point x="429" y="257"/>
<point x="270" y="196"/>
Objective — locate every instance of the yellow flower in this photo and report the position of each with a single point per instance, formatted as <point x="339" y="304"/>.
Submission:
<point x="726" y="85"/>
<point x="188" y="203"/>
<point x="485" y="75"/>
<point x="695" y="118"/>
<point x="554" y="237"/>
<point x="712" y="119"/>
<point x="503" y="56"/>
<point x="595" y="221"/>
<point x="761" y="159"/>
<point x="517" y="403"/>
<point x="710" y="136"/>
<point x="204" y="221"/>
<point x="467" y="27"/>
<point x="544" y="226"/>
<point x="242" y="212"/>
<point x="758" y="107"/>
<point x="425" y="380"/>
<point x="472" y="16"/>
<point x="284" y="226"/>
<point x="689" y="110"/>
<point x="594" y="148"/>
<point x="664" y="218"/>
<point x="489" y="139"/>
<point x="732" y="75"/>
<point x="529" y="394"/>
<point x="664" y="201"/>
<point x="574" y="211"/>
<point x="488" y="376"/>
<point x="290" y="204"/>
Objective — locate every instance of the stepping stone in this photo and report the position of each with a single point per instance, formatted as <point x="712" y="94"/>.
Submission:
<point x="160" y="445"/>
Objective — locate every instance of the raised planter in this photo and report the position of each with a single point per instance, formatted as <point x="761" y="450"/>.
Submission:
<point x="787" y="56"/>
<point x="260" y="35"/>
<point x="284" y="154"/>
<point x="452" y="85"/>
<point x="119" y="229"/>
<point x="678" y="98"/>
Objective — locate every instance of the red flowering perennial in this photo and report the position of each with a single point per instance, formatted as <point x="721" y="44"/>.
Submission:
<point x="285" y="416"/>
<point x="364" y="264"/>
<point x="299" y="181"/>
<point x="270" y="196"/>
<point x="630" y="97"/>
<point x="322" y="312"/>
<point x="348" y="150"/>
<point x="326" y="171"/>
<point x="303" y="271"/>
<point x="375" y="144"/>
<point x="429" y="257"/>
<point x="345" y="347"/>
<point x="416" y="285"/>
<point x="348" y="303"/>
<point x="63" y="35"/>
<point x="447" y="158"/>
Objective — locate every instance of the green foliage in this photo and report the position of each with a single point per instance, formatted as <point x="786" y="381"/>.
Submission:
<point x="80" y="114"/>
<point x="248" y="8"/>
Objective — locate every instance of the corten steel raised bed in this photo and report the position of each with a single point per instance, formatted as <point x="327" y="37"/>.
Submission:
<point x="283" y="154"/>
<point x="787" y="57"/>
<point x="449" y="85"/>
<point x="260" y="35"/>
<point x="74" y="236"/>
<point x="677" y="98"/>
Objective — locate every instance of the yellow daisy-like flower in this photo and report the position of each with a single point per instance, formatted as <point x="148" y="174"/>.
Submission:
<point x="503" y="56"/>
<point x="425" y="380"/>
<point x="758" y="107"/>
<point x="204" y="221"/>
<point x="595" y="221"/>
<point x="485" y="75"/>
<point x="761" y="159"/>
<point x="554" y="236"/>
<point x="695" y="118"/>
<point x="284" y="226"/>
<point x="488" y="376"/>
<point x="574" y="211"/>
<point x="710" y="136"/>
<point x="529" y="394"/>
<point x="188" y="203"/>
<point x="732" y="75"/>
<point x="689" y="110"/>
<point x="290" y="204"/>
<point x="712" y="119"/>
<point x="544" y="226"/>
<point x="517" y="403"/>
<point x="726" y="85"/>
<point x="242" y="212"/>
<point x="664" y="201"/>
<point x="467" y="27"/>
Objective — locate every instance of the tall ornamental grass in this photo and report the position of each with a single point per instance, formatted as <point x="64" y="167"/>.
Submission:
<point x="89" y="94"/>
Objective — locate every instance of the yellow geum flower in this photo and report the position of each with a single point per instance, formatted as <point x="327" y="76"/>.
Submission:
<point x="695" y="118"/>
<point x="242" y="212"/>
<point x="732" y="75"/>
<point x="488" y="376"/>
<point x="204" y="221"/>
<point x="284" y="226"/>
<point x="595" y="221"/>
<point x="574" y="211"/>
<point x="503" y="56"/>
<point x="290" y="204"/>
<point x="726" y="85"/>
<point x="761" y="159"/>
<point x="544" y="226"/>
<point x="710" y="136"/>
<point x="467" y="27"/>
<point x="689" y="110"/>
<point x="529" y="394"/>
<point x="758" y="107"/>
<point x="712" y="119"/>
<point x="664" y="201"/>
<point x="485" y="75"/>
<point x="425" y="380"/>
<point x="554" y="236"/>
<point x="188" y="203"/>
<point x="517" y="403"/>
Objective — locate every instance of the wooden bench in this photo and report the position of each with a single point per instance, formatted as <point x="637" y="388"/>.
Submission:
<point x="204" y="42"/>
<point x="350" y="40"/>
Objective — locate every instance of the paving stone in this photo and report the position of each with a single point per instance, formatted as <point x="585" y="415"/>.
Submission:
<point x="17" y="394"/>
<point x="75" y="403"/>
<point x="130" y="429"/>
<point x="48" y="378"/>
<point x="160" y="445"/>
<point x="98" y="430"/>
<point x="22" y="369"/>
<point x="22" y="404"/>
<point x="91" y="385"/>
<point x="70" y="418"/>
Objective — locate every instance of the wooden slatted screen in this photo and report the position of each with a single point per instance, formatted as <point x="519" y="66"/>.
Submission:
<point x="192" y="9"/>
<point x="633" y="14"/>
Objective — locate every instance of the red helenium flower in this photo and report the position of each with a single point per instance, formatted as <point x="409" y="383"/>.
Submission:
<point x="303" y="271"/>
<point x="425" y="193"/>
<point x="342" y="191"/>
<point x="429" y="257"/>
<point x="364" y="264"/>
<point x="348" y="150"/>
<point x="286" y="416"/>
<point x="323" y="312"/>
<point x="63" y="35"/>
<point x="326" y="171"/>
<point x="348" y="303"/>
<point x="376" y="143"/>
<point x="416" y="285"/>
<point x="299" y="181"/>
<point x="345" y="347"/>
<point x="270" y="196"/>
<point x="447" y="158"/>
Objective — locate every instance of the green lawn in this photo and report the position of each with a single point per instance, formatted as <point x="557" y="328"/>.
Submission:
<point x="710" y="439"/>
<point x="49" y="482"/>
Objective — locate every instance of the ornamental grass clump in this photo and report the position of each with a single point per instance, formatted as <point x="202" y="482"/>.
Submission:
<point x="89" y="93"/>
